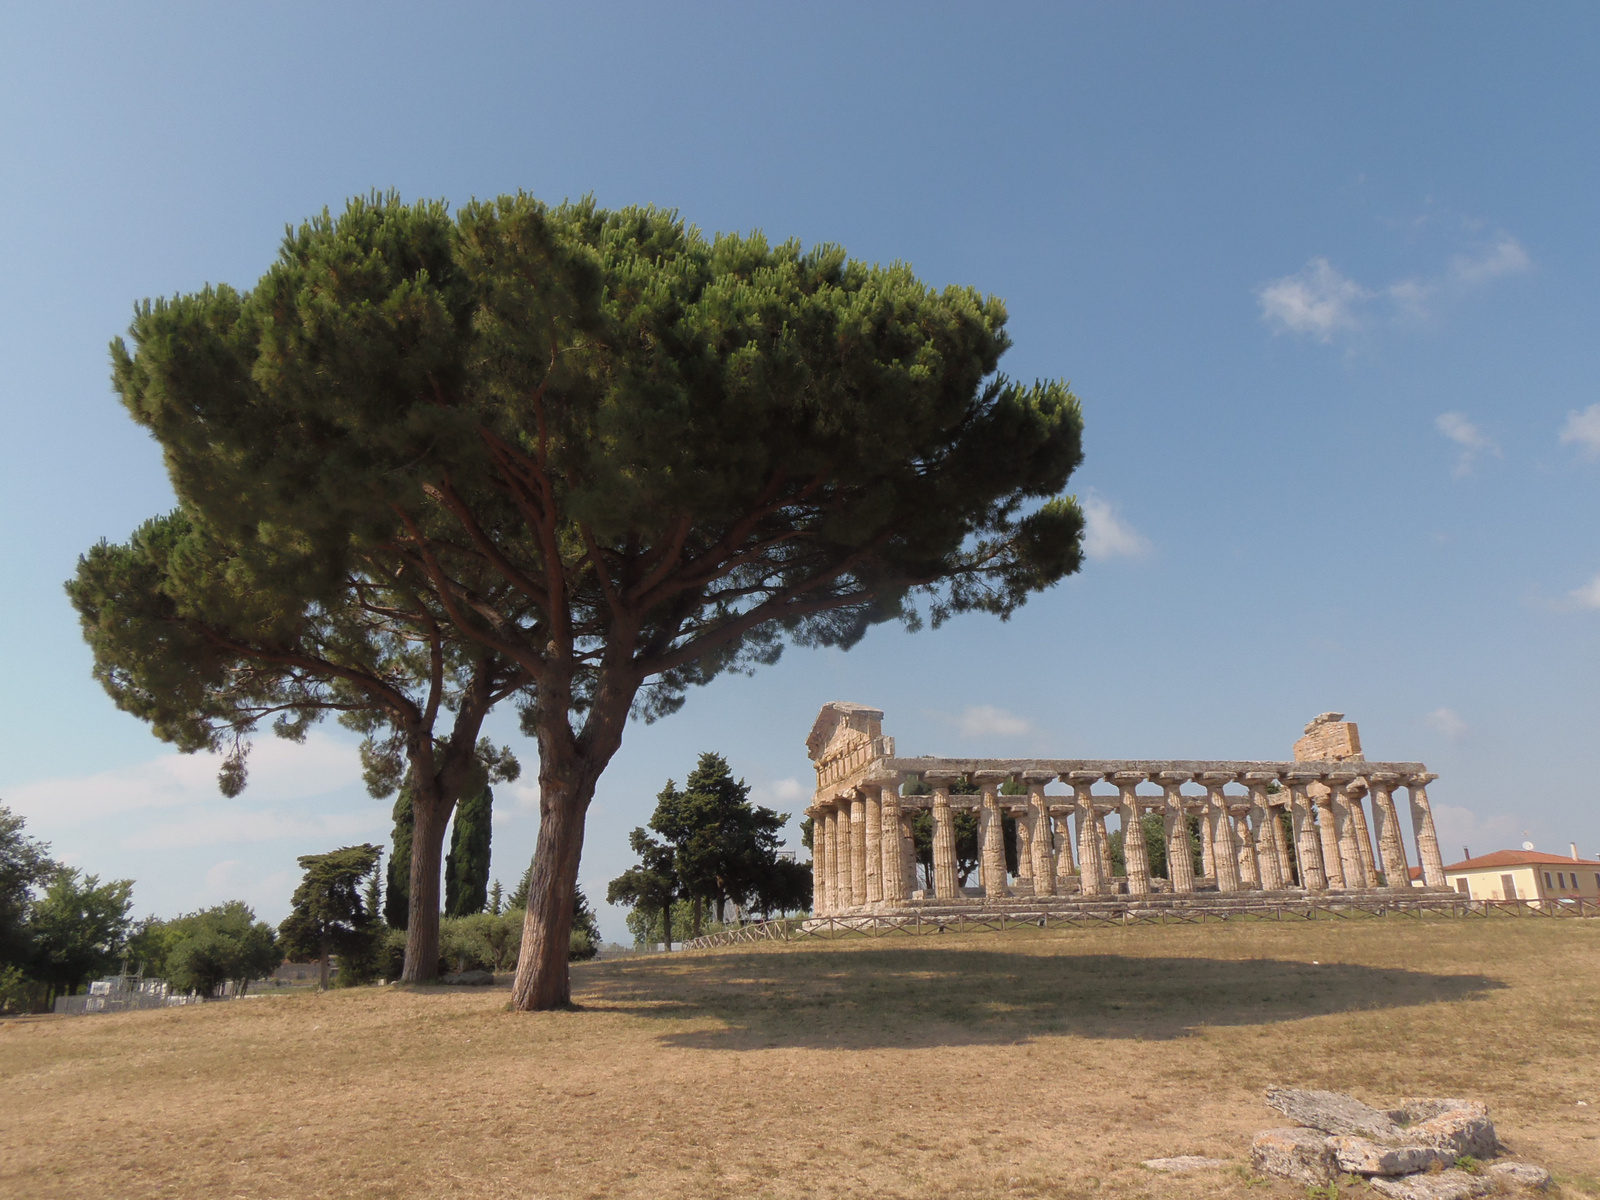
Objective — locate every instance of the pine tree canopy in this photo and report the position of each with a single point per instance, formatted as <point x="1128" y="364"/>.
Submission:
<point x="573" y="458"/>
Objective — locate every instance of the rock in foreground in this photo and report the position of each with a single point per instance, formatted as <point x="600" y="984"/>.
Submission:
<point x="1439" y="1185"/>
<point x="1300" y="1154"/>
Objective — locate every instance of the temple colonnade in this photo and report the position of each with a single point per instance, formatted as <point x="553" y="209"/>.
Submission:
<point x="864" y="850"/>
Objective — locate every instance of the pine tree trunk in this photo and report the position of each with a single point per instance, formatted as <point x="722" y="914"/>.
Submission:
<point x="430" y="817"/>
<point x="543" y="981"/>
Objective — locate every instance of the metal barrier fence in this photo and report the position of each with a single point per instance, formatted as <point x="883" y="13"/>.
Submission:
<point x="77" y="1006"/>
<point x="792" y="929"/>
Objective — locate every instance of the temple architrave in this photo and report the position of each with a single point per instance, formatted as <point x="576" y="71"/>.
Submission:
<point x="1343" y="822"/>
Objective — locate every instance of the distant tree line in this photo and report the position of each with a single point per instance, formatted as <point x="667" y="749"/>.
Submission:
<point x="707" y="847"/>
<point x="58" y="927"/>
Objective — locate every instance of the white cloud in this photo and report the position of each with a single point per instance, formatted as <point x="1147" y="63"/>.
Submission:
<point x="784" y="791"/>
<point x="1323" y="303"/>
<point x="1583" y="430"/>
<point x="1448" y="722"/>
<point x="279" y="771"/>
<point x="1472" y="440"/>
<point x="985" y="720"/>
<point x="233" y="826"/>
<point x="1319" y="301"/>
<point x="1587" y="596"/>
<point x="219" y="877"/>
<point x="1106" y="535"/>
<point x="1505" y="257"/>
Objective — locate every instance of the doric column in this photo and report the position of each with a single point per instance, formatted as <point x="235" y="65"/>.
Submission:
<point x="1135" y="855"/>
<point x="819" y="861"/>
<point x="1307" y="851"/>
<point x="1262" y="818"/>
<point x="1391" y="847"/>
<point x="1180" y="858"/>
<point x="1245" y="844"/>
<point x="1208" y="850"/>
<point x="945" y="875"/>
<point x="1280" y="840"/>
<point x="1358" y="817"/>
<point x="889" y="857"/>
<point x="843" y="868"/>
<point x="1308" y="847"/>
<point x="1422" y="829"/>
<point x="1091" y="866"/>
<point x="858" y="848"/>
<point x="908" y="855"/>
<point x="1022" y="819"/>
<point x="1066" y="860"/>
<point x="1355" y="873"/>
<point x="830" y="817"/>
<point x="991" y="836"/>
<point x="1219" y="827"/>
<point x="1328" y="835"/>
<point x="873" y="844"/>
<point x="1044" y="859"/>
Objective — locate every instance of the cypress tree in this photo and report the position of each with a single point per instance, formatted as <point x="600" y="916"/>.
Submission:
<point x="397" y="895"/>
<point x="466" y="867"/>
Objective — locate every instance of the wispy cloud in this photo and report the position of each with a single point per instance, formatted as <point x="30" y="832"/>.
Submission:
<point x="985" y="720"/>
<point x="1587" y="596"/>
<point x="1583" y="431"/>
<point x="1318" y="300"/>
<point x="1107" y="535"/>
<point x="1448" y="722"/>
<point x="235" y="826"/>
<point x="279" y="771"/>
<point x="1505" y="257"/>
<point x="1472" y="440"/>
<point x="1321" y="302"/>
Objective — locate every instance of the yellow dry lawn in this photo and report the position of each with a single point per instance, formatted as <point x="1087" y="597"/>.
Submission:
<point x="1025" y="1064"/>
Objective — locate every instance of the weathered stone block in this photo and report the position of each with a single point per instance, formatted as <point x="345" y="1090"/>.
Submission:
<point x="1528" y="1176"/>
<point x="1328" y="737"/>
<point x="1362" y="1156"/>
<point x="1334" y="1112"/>
<point x="1299" y="1154"/>
<point x="1460" y="1125"/>
<point x="1439" y="1185"/>
<point x="1184" y="1162"/>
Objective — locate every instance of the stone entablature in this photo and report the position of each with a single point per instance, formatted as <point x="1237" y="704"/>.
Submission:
<point x="863" y="851"/>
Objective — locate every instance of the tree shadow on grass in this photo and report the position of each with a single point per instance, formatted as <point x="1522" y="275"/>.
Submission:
<point x="919" y="997"/>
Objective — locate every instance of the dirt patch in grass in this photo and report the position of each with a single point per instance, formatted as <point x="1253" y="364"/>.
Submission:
<point x="1028" y="1064"/>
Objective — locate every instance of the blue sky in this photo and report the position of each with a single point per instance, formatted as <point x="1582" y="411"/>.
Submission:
<point x="1323" y="277"/>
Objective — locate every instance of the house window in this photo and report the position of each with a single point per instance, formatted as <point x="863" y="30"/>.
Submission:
<point x="1561" y="880"/>
<point x="1465" y="889"/>
<point x="1508" y="885"/>
<point x="1547" y="879"/>
<point x="1597" y="880"/>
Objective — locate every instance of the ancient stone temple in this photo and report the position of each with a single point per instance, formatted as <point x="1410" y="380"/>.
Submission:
<point x="1325" y="821"/>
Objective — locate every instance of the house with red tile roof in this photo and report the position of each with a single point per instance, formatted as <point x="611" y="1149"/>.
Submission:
<point x="1525" y="875"/>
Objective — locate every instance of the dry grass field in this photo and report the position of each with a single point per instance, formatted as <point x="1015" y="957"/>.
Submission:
<point x="1026" y="1064"/>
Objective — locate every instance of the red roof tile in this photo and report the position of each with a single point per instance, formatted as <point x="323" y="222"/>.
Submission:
<point x="1520" y="858"/>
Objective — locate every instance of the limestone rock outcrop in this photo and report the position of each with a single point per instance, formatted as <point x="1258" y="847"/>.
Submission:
<point x="1421" y="1149"/>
